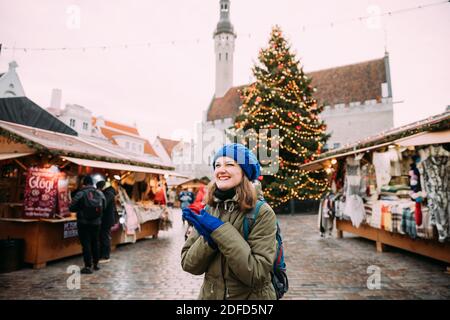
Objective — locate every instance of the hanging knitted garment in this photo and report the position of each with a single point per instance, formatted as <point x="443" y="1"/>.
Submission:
<point x="354" y="206"/>
<point x="435" y="170"/>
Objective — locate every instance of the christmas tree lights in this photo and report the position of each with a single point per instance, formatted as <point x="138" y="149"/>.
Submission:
<point x="282" y="98"/>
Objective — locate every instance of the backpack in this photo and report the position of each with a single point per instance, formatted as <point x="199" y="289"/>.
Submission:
<point x="279" y="277"/>
<point x="92" y="204"/>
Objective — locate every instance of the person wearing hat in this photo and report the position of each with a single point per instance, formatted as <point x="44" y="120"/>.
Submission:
<point x="108" y="220"/>
<point x="234" y="268"/>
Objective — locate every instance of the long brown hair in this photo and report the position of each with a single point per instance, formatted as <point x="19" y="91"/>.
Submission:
<point x="246" y="194"/>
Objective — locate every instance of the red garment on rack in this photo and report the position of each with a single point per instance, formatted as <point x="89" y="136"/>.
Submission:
<point x="160" y="197"/>
<point x="418" y="214"/>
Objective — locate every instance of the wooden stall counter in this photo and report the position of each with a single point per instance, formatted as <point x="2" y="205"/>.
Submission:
<point x="45" y="239"/>
<point x="429" y="248"/>
<point x="53" y="239"/>
<point x="148" y="229"/>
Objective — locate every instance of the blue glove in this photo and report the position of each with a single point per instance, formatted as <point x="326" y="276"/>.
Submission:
<point x="189" y="216"/>
<point x="207" y="221"/>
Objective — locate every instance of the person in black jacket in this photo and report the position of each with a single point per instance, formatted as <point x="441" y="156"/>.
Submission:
<point x="87" y="223"/>
<point x="108" y="218"/>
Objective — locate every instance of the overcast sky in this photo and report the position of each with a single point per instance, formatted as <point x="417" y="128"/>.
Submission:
<point x="165" y="87"/>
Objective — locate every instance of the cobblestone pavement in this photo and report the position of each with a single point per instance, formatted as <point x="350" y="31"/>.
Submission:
<point x="317" y="268"/>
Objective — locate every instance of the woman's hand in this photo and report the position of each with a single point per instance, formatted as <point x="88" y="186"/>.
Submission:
<point x="190" y="216"/>
<point x="207" y="221"/>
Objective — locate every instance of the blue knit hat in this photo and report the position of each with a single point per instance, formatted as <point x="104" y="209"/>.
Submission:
<point x="243" y="156"/>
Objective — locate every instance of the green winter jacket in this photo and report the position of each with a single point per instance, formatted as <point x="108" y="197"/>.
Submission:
<point x="239" y="269"/>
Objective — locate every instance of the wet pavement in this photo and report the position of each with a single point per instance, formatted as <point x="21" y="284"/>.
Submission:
<point x="318" y="268"/>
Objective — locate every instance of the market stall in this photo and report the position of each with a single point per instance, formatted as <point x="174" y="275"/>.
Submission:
<point x="39" y="170"/>
<point x="393" y="189"/>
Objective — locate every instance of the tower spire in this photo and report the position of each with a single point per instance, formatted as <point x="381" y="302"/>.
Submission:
<point x="224" y="25"/>
<point x="224" y="37"/>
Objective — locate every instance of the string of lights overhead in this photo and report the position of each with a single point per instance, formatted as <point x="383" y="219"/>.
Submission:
<point x="197" y="41"/>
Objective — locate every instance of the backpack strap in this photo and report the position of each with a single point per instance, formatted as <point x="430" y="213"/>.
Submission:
<point x="252" y="215"/>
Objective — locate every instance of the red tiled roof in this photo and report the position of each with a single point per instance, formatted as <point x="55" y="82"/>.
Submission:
<point x="122" y="127"/>
<point x="168" y="145"/>
<point x="118" y="126"/>
<point x="352" y="83"/>
<point x="109" y="132"/>
<point x="148" y="149"/>
<point x="226" y="106"/>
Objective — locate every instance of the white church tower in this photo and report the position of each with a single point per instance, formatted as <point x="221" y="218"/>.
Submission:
<point x="224" y="37"/>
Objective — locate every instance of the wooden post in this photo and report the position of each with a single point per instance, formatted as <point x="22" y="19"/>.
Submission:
<point x="380" y="246"/>
<point x="39" y="265"/>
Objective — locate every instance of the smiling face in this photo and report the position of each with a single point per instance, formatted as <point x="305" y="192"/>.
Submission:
<point x="228" y="174"/>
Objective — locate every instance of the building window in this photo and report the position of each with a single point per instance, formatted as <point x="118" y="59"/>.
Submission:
<point x="336" y="145"/>
<point x="85" y="126"/>
<point x="72" y="123"/>
<point x="220" y="56"/>
<point x="226" y="56"/>
<point x="127" y="145"/>
<point x="133" y="146"/>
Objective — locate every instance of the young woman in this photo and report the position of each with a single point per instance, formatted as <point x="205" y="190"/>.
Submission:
<point x="234" y="268"/>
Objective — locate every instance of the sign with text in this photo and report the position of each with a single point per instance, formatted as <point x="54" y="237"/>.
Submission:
<point x="41" y="191"/>
<point x="70" y="229"/>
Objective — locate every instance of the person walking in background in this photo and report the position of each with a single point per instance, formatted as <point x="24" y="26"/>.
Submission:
<point x="89" y="204"/>
<point x="186" y="198"/>
<point x="108" y="220"/>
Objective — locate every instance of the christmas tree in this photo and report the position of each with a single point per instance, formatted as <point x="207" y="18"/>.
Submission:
<point x="282" y="98"/>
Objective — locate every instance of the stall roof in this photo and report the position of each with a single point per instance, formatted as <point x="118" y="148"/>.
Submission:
<point x="22" y="110"/>
<point x="319" y="163"/>
<point x="12" y="155"/>
<point x="119" y="166"/>
<point x="68" y="145"/>
<point x="414" y="134"/>
<point x="108" y="146"/>
<point x="425" y="138"/>
<point x="194" y="181"/>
